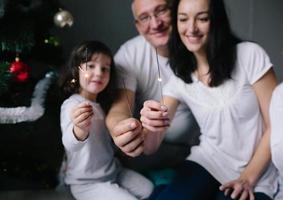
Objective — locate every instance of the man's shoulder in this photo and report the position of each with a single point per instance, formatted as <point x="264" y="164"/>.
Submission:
<point x="135" y="42"/>
<point x="132" y="50"/>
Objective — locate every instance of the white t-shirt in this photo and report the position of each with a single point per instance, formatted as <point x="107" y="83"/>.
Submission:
<point x="137" y="66"/>
<point x="229" y="118"/>
<point x="276" y="119"/>
<point x="91" y="160"/>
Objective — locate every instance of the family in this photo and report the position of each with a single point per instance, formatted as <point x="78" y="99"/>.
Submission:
<point x="186" y="75"/>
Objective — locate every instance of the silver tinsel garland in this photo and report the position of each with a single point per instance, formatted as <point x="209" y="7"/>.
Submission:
<point x="36" y="109"/>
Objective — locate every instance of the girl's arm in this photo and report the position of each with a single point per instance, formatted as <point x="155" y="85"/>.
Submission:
<point x="75" y="130"/>
<point x="155" y="119"/>
<point x="243" y="186"/>
<point x="81" y="118"/>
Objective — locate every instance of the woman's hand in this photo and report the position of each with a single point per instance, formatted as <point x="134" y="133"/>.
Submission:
<point x="154" y="116"/>
<point x="240" y="189"/>
<point x="81" y="118"/>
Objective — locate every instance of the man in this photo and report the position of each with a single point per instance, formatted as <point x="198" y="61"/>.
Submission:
<point x="142" y="62"/>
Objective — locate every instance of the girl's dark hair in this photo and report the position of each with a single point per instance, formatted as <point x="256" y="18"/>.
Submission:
<point x="220" y="50"/>
<point x="69" y="81"/>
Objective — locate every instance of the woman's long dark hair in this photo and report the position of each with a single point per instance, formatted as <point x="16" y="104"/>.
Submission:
<point x="69" y="81"/>
<point x="221" y="48"/>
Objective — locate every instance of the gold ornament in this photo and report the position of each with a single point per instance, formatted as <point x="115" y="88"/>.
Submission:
<point x="63" y="18"/>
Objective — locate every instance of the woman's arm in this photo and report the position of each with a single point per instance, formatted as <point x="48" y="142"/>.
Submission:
<point x="243" y="185"/>
<point x="155" y="119"/>
<point x="263" y="89"/>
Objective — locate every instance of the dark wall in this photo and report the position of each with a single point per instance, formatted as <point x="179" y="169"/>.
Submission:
<point x="260" y="21"/>
<point x="107" y="20"/>
<point x="111" y="21"/>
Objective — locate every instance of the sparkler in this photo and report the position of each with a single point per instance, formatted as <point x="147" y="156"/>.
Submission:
<point x="97" y="114"/>
<point x="128" y="101"/>
<point x="159" y="79"/>
<point x="86" y="75"/>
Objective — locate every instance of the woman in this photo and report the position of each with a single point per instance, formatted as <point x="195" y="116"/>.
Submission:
<point x="228" y="85"/>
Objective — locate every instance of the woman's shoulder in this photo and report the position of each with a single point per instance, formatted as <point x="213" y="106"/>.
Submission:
<point x="251" y="51"/>
<point x="253" y="59"/>
<point x="248" y="46"/>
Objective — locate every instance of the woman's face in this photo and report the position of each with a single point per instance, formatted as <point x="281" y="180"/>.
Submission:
<point x="193" y="24"/>
<point x="94" y="75"/>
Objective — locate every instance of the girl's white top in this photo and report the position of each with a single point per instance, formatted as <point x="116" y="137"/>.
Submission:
<point x="91" y="160"/>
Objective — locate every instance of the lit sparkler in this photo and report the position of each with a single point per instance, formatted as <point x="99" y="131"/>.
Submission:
<point x="128" y="101"/>
<point x="159" y="79"/>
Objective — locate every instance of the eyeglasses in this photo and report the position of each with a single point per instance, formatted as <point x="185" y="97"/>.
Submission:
<point x="159" y="13"/>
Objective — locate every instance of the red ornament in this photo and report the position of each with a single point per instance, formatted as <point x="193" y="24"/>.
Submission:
<point x="20" y="70"/>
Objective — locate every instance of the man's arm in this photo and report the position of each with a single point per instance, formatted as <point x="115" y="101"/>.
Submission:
<point x="125" y="130"/>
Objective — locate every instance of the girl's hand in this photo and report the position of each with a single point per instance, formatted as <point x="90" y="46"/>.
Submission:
<point x="238" y="189"/>
<point x="154" y="116"/>
<point x="81" y="118"/>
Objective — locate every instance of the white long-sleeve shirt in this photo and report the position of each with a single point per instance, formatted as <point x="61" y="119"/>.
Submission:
<point x="91" y="160"/>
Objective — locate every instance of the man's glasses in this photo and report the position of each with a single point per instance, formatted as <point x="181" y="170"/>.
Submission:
<point x="159" y="13"/>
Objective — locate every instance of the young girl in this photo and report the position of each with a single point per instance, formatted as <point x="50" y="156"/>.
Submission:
<point x="92" y="171"/>
<point x="227" y="84"/>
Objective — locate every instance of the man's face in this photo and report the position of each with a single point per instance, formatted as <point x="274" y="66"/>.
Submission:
<point x="153" y="21"/>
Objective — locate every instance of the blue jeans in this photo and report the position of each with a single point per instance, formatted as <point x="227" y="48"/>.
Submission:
<point x="193" y="182"/>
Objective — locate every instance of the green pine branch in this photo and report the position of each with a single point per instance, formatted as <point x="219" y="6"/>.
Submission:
<point x="5" y="76"/>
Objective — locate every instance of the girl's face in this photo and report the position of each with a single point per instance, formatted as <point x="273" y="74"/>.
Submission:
<point x="193" y="24"/>
<point x="94" y="75"/>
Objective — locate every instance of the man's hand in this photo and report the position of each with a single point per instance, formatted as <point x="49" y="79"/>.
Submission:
<point x="127" y="135"/>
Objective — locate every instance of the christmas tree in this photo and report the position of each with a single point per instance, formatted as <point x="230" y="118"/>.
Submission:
<point x="25" y="34"/>
<point x="30" y="56"/>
